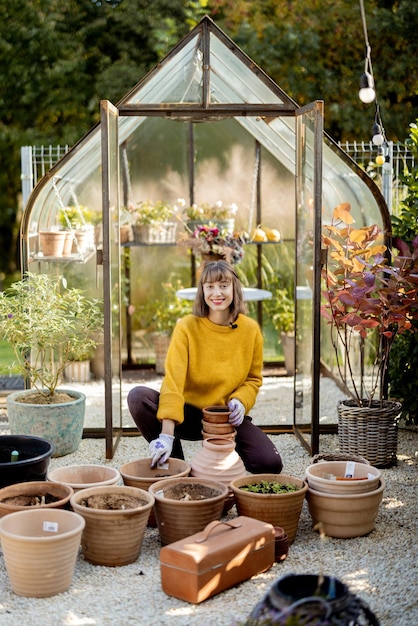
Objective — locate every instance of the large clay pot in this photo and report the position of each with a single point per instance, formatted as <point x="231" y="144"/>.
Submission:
<point x="218" y="460"/>
<point x="365" y="477"/>
<point x="84" y="476"/>
<point x="37" y="493"/>
<point x="277" y="509"/>
<point x="40" y="550"/>
<point x="33" y="460"/>
<point x="345" y="516"/>
<point x="184" y="506"/>
<point x="113" y="535"/>
<point x="62" y="423"/>
<point x="140" y="474"/>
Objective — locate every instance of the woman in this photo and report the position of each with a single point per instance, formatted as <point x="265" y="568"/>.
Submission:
<point x="215" y="358"/>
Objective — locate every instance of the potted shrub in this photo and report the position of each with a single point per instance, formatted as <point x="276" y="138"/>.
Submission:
<point x="47" y="325"/>
<point x="151" y="222"/>
<point x="367" y="298"/>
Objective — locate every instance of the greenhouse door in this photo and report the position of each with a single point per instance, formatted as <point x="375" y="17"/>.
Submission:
<point x="111" y="276"/>
<point x="309" y="138"/>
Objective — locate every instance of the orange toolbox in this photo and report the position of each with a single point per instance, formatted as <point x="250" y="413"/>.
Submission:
<point x="217" y="558"/>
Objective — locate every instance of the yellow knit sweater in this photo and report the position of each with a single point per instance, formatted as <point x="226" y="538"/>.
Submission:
<point x="210" y="364"/>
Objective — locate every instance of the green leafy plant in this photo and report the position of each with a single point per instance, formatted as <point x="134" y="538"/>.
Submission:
<point x="162" y="314"/>
<point x="206" y="212"/>
<point x="148" y="212"/>
<point x="78" y="217"/>
<point x="266" y="486"/>
<point x="403" y="363"/>
<point x="48" y="326"/>
<point x="366" y="296"/>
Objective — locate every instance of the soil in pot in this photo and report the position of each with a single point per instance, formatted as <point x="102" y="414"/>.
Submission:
<point x="112" y="502"/>
<point x="34" y="494"/>
<point x="187" y="492"/>
<point x="46" y="498"/>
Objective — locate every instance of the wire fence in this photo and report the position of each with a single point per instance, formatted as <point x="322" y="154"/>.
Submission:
<point x="36" y="161"/>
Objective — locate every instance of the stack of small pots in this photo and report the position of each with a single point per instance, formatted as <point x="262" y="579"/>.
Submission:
<point x="344" y="497"/>
<point x="215" y="423"/>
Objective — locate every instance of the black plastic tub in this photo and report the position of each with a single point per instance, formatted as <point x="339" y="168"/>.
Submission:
<point x="34" y="455"/>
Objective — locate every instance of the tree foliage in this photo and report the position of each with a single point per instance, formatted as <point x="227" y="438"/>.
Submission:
<point x="59" y="59"/>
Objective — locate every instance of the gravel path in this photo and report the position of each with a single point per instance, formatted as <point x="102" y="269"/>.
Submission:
<point x="381" y="567"/>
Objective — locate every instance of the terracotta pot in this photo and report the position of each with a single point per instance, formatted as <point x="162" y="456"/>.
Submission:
<point x="345" y="516"/>
<point x="68" y="243"/>
<point x="33" y="461"/>
<point x="365" y="477"/>
<point x="230" y="436"/>
<point x="83" y="240"/>
<point x="216" y="414"/>
<point x="281" y="544"/>
<point x="113" y="536"/>
<point x="84" y="476"/>
<point x="217" y="429"/>
<point x="277" y="509"/>
<point x="51" y="242"/>
<point x="218" y="460"/>
<point x="40" y="550"/>
<point x="178" y="511"/>
<point x="140" y="474"/>
<point x="37" y="494"/>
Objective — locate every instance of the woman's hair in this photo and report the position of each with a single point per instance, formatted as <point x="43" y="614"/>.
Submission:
<point x="218" y="271"/>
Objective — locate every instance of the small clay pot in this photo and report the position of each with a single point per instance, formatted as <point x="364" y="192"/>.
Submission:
<point x="217" y="429"/>
<point x="216" y="414"/>
<point x="281" y="544"/>
<point x="37" y="494"/>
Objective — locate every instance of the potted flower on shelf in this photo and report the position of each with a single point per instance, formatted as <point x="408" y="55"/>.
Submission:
<point x="48" y="326"/>
<point x="217" y="214"/>
<point x="213" y="243"/>
<point x="368" y="303"/>
<point x="151" y="222"/>
<point x="160" y="316"/>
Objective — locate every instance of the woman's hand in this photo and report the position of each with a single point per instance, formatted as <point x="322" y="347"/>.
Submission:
<point x="161" y="449"/>
<point x="237" y="412"/>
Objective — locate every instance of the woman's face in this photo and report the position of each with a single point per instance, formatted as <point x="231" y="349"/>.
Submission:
<point x="218" y="295"/>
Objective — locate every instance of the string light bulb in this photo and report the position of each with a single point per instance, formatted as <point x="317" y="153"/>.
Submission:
<point x="367" y="91"/>
<point x="377" y="135"/>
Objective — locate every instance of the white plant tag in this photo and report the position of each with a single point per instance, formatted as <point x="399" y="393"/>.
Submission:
<point x="50" y="527"/>
<point x="370" y="476"/>
<point x="349" y="469"/>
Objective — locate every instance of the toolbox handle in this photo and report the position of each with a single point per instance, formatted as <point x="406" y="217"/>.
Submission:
<point x="206" y="532"/>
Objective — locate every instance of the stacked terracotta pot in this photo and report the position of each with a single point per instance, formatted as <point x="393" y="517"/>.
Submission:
<point x="344" y="497"/>
<point x="215" y="423"/>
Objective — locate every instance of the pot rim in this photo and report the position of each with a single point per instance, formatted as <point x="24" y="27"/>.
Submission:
<point x="11" y="519"/>
<point x="115" y="474"/>
<point x="109" y="489"/>
<point x="251" y="479"/>
<point x="77" y="395"/>
<point x="207" y="482"/>
<point x="147" y="462"/>
<point x="349" y="496"/>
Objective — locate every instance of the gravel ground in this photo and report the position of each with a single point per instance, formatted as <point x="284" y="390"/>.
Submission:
<point x="381" y="568"/>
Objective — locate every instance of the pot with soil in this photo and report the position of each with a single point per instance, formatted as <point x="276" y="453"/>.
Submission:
<point x="37" y="494"/>
<point x="84" y="476"/>
<point x="343" y="477"/>
<point x="273" y="498"/>
<point x="23" y="458"/>
<point x="116" y="517"/>
<point x="140" y="474"/>
<point x="184" y="506"/>
<point x="40" y="548"/>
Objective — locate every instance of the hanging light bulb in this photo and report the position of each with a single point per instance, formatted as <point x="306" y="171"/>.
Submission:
<point x="380" y="159"/>
<point x="377" y="135"/>
<point x="386" y="165"/>
<point x="367" y="92"/>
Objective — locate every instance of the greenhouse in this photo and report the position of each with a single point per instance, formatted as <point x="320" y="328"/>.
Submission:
<point x="205" y="127"/>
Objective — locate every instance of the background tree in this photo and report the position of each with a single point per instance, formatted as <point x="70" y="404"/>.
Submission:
<point x="59" y="59"/>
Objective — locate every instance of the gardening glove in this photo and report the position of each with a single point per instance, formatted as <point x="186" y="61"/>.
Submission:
<point x="160" y="449"/>
<point x="237" y="412"/>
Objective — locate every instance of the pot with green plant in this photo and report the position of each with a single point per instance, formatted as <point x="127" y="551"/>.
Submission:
<point x="218" y="215"/>
<point x="82" y="227"/>
<point x="160" y="315"/>
<point x="151" y="222"/>
<point x="48" y="325"/>
<point x="369" y="301"/>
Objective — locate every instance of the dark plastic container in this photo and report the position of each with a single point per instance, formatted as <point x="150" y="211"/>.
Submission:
<point x="33" y="460"/>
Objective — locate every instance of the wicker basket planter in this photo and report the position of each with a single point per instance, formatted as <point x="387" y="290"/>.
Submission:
<point x="158" y="232"/>
<point x="371" y="432"/>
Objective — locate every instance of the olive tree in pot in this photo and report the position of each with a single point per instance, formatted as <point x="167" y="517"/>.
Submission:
<point x="370" y="299"/>
<point x="47" y="325"/>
